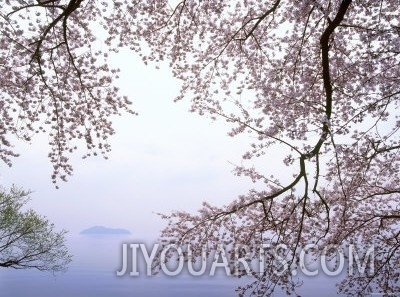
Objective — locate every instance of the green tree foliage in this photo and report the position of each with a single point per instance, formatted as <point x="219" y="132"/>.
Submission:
<point x="28" y="240"/>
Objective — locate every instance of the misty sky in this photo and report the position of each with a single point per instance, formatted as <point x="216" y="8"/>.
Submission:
<point x="164" y="159"/>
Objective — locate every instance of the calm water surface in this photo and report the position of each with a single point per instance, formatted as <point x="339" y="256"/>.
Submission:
<point x="93" y="274"/>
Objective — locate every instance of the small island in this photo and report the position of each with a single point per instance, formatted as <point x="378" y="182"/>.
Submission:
<point x="100" y="230"/>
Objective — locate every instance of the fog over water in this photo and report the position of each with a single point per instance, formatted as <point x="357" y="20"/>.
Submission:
<point x="93" y="274"/>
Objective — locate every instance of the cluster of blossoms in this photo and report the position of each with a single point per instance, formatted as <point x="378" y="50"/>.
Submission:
<point x="55" y="79"/>
<point x="318" y="81"/>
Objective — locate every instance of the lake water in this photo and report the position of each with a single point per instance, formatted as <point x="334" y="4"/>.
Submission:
<point x="93" y="274"/>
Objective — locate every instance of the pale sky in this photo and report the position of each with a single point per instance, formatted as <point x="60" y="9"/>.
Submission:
<point x="164" y="159"/>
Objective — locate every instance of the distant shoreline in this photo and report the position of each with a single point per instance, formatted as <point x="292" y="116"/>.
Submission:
<point x="101" y="230"/>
